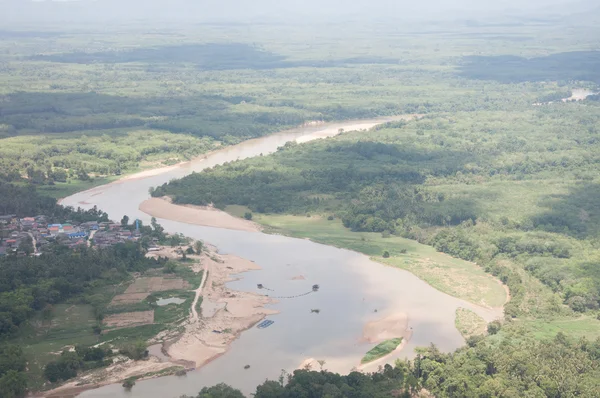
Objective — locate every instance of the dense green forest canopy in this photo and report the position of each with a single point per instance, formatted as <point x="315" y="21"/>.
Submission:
<point x="210" y="56"/>
<point x="73" y="107"/>
<point x="27" y="202"/>
<point x="576" y="65"/>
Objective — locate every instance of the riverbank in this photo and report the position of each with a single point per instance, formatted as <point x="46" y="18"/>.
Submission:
<point x="224" y="313"/>
<point x="198" y="215"/>
<point x="205" y="335"/>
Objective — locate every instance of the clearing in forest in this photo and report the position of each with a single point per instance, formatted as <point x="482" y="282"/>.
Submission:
<point x="143" y="287"/>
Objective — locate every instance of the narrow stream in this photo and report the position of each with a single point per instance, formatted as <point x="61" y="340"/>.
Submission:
<point x="353" y="289"/>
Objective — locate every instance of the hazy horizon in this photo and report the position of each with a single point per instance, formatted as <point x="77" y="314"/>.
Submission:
<point x="189" y="11"/>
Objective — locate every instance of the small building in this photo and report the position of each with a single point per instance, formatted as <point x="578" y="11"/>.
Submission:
<point x="77" y="235"/>
<point x="8" y="218"/>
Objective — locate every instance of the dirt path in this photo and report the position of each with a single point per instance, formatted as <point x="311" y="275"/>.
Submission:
<point x="34" y="242"/>
<point x="89" y="242"/>
<point x="195" y="316"/>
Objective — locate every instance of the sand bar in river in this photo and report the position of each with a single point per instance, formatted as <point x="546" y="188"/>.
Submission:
<point x="197" y="215"/>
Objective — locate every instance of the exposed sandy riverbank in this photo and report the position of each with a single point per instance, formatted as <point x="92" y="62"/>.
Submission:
<point x="375" y="332"/>
<point x="197" y="215"/>
<point x="387" y="328"/>
<point x="225" y="313"/>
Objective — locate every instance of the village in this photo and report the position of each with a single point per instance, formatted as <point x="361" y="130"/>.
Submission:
<point x="32" y="235"/>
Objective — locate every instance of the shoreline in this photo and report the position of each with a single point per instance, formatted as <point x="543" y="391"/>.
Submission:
<point x="316" y="125"/>
<point x="198" y="344"/>
<point x="207" y="216"/>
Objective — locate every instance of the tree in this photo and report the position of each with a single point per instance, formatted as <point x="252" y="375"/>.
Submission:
<point x="129" y="383"/>
<point x="125" y="220"/>
<point x="136" y="351"/>
<point x="26" y="246"/>
<point x="221" y="390"/>
<point x="199" y="246"/>
<point x="13" y="384"/>
<point x="494" y="327"/>
<point x="270" y="389"/>
<point x="248" y="215"/>
<point x="170" y="267"/>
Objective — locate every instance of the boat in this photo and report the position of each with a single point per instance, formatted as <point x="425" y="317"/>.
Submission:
<point x="265" y="324"/>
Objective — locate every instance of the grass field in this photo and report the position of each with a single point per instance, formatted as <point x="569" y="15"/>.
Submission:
<point x="381" y="350"/>
<point x="456" y="277"/>
<point x="64" y="189"/>
<point x="469" y="323"/>
<point x="584" y="326"/>
<point x="43" y="342"/>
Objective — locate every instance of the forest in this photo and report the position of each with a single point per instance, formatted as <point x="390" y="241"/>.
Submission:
<point x="567" y="66"/>
<point x="73" y="113"/>
<point x="25" y="201"/>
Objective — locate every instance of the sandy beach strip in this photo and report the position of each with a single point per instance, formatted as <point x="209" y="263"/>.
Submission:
<point x="225" y="313"/>
<point x="198" y="215"/>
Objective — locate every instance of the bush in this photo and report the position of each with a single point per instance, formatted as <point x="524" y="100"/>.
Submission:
<point x="135" y="351"/>
<point x="494" y="327"/>
<point x="248" y="215"/>
<point x="129" y="383"/>
<point x="386" y="254"/>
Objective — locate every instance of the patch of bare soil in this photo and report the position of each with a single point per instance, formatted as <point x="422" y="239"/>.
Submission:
<point x="129" y="319"/>
<point x="143" y="287"/>
<point x="131" y="298"/>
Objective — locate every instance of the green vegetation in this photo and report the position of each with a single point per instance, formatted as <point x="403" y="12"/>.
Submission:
<point x="26" y="201"/>
<point x="381" y="350"/>
<point x="568" y="66"/>
<point x="469" y="324"/>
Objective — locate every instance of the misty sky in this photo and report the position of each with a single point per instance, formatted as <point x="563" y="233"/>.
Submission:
<point x="207" y="10"/>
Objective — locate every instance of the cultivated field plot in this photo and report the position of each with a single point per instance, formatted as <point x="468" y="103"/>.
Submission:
<point x="129" y="319"/>
<point x="143" y="287"/>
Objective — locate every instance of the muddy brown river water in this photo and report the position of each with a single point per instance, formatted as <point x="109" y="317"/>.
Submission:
<point x="352" y="287"/>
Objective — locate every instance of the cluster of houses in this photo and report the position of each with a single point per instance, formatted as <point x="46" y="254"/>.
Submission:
<point x="30" y="235"/>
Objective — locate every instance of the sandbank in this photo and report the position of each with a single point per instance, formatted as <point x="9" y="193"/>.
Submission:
<point x="197" y="215"/>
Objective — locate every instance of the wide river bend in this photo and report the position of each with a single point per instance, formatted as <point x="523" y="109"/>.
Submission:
<point x="352" y="287"/>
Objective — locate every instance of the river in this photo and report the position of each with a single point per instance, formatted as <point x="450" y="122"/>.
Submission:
<point x="353" y="289"/>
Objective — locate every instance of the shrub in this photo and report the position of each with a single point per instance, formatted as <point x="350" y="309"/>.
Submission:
<point x="129" y="383"/>
<point x="494" y="327"/>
